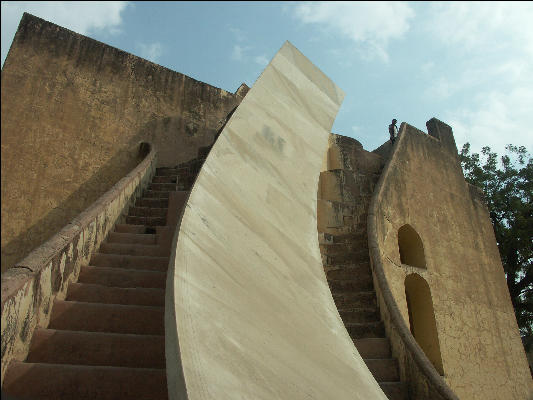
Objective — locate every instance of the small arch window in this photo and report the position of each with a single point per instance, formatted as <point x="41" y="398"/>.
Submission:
<point x="422" y="318"/>
<point x="411" y="248"/>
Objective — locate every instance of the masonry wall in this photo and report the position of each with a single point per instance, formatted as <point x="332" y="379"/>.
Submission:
<point x="423" y="186"/>
<point x="73" y="114"/>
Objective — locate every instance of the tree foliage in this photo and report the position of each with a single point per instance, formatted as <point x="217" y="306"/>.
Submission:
<point x="508" y="187"/>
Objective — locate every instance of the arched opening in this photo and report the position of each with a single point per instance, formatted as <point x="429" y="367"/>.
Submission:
<point x="422" y="318"/>
<point x="411" y="248"/>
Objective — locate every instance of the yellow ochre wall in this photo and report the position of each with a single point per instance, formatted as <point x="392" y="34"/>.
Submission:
<point x="423" y="186"/>
<point x="74" y="112"/>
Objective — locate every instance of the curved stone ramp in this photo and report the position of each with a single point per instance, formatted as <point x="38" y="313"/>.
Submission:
<point x="249" y="313"/>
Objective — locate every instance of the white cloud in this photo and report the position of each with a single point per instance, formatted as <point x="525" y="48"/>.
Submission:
<point x="238" y="33"/>
<point x="472" y="25"/>
<point x="262" y="60"/>
<point x="150" y="51"/>
<point x="371" y="25"/>
<point x="493" y="45"/>
<point x="238" y="52"/>
<point x="427" y="67"/>
<point x="241" y="53"/>
<point x="82" y="17"/>
<point x="241" y="50"/>
<point x="497" y="119"/>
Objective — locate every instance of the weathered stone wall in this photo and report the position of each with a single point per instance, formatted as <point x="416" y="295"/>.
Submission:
<point x="350" y="171"/>
<point x="73" y="112"/>
<point x="423" y="186"/>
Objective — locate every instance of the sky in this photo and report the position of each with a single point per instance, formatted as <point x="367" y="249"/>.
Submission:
<point x="468" y="64"/>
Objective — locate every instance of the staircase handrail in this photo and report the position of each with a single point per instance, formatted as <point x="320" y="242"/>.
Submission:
<point x="394" y="321"/>
<point x="31" y="285"/>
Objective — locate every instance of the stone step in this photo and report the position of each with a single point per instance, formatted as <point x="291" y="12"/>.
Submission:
<point x="152" y="202"/>
<point x="349" y="272"/>
<point x="361" y="284"/>
<point x="346" y="301"/>
<point x="187" y="181"/>
<point x="360" y="315"/>
<point x="184" y="169"/>
<point x="193" y="165"/>
<point x="112" y="318"/>
<point x="163" y="187"/>
<point x="97" y="348"/>
<point x="340" y="230"/>
<point x="132" y="238"/>
<point x="122" y="277"/>
<point x="75" y="382"/>
<point x="132" y="249"/>
<point x="93" y="293"/>
<point x="130" y="228"/>
<point x="153" y="194"/>
<point x="328" y="238"/>
<point x="348" y="257"/>
<point x="394" y="390"/>
<point x="373" y="347"/>
<point x="384" y="369"/>
<point x="148" y="221"/>
<point x="150" y="263"/>
<point x="148" y="212"/>
<point x="332" y="249"/>
<point x="365" y="330"/>
<point x="165" y="179"/>
<point x="165" y="171"/>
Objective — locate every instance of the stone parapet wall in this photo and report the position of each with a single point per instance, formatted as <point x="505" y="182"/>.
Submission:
<point x="415" y="368"/>
<point x="422" y="186"/>
<point x="30" y="288"/>
<point x="74" y="110"/>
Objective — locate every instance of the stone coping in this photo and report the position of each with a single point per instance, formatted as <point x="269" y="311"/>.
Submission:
<point x="414" y="364"/>
<point x="31" y="286"/>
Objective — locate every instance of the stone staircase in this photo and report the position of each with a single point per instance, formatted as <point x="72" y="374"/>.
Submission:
<point x="346" y="261"/>
<point x="106" y="339"/>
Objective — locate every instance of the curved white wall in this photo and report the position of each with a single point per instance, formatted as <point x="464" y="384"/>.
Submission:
<point x="253" y="311"/>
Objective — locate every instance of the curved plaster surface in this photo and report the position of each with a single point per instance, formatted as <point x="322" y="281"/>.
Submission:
<point x="254" y="314"/>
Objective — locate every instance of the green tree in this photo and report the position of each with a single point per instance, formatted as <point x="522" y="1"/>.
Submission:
<point x="508" y="187"/>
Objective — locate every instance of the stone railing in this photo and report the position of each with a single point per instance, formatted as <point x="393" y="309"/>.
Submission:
<point x="415" y="368"/>
<point x="31" y="286"/>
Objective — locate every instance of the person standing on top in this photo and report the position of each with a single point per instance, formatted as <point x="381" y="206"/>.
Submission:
<point x="393" y="131"/>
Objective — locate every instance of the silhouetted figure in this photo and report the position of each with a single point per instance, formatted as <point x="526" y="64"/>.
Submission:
<point x="393" y="131"/>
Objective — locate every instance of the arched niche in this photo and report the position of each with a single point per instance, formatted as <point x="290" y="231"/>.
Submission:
<point x="422" y="318"/>
<point x="411" y="248"/>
